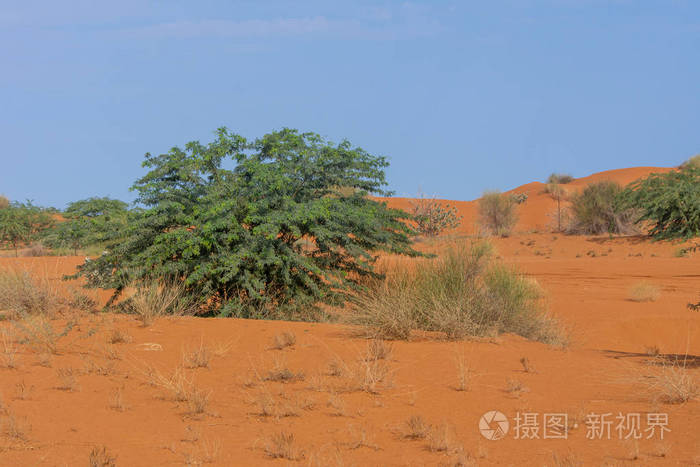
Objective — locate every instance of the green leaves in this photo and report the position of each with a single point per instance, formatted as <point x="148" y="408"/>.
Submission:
<point x="288" y="227"/>
<point x="21" y="223"/>
<point x="670" y="202"/>
<point x="89" y="222"/>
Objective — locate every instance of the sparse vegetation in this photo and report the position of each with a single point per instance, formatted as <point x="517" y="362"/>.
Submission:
<point x="282" y="446"/>
<point x="101" y="457"/>
<point x="670" y="383"/>
<point x="378" y="349"/>
<point x="154" y="300"/>
<point x="22" y="294"/>
<point x="559" y="179"/>
<point x="432" y="218"/>
<point x="197" y="358"/>
<point x="644" y="292"/>
<point x="416" y="428"/>
<point x="462" y="293"/>
<point x="284" y="340"/>
<point x="497" y="213"/>
<point x="599" y="209"/>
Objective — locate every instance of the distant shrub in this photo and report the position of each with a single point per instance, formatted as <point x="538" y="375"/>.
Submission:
<point x="497" y="213"/>
<point x="561" y="179"/>
<point x="4" y="202"/>
<point x="461" y="293"/>
<point x="692" y="162"/>
<point x="36" y="250"/>
<point x="519" y="198"/>
<point x="644" y="292"/>
<point x="432" y="218"/>
<point x="598" y="209"/>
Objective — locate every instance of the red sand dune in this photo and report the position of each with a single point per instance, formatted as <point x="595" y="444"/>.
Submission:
<point x="113" y="402"/>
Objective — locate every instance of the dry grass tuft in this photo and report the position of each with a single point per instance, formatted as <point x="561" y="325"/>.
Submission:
<point x="118" y="336"/>
<point x="441" y="439"/>
<point x="281" y="446"/>
<point x="197" y="358"/>
<point x="153" y="300"/>
<point x="372" y="376"/>
<point x="416" y="428"/>
<point x="116" y="400"/>
<point x="378" y="349"/>
<point x="462" y="293"/>
<point x="39" y="333"/>
<point x="566" y="460"/>
<point x="14" y="427"/>
<point x="337" y="405"/>
<point x="8" y="349"/>
<point x="643" y="292"/>
<point x="525" y="362"/>
<point x="464" y="373"/>
<point x="515" y="387"/>
<point x="281" y="374"/>
<point x="22" y="294"/>
<point x="101" y="457"/>
<point x="280" y="407"/>
<point x="670" y="383"/>
<point x="284" y="340"/>
<point x="22" y="391"/>
<point x="67" y="379"/>
<point x="198" y="401"/>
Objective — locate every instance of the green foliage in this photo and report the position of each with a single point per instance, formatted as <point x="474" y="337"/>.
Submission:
<point x="497" y="213"/>
<point x="20" y="223"/>
<point x="599" y="209"/>
<point x="692" y="162"/>
<point x="560" y="179"/>
<point x="92" y="221"/>
<point x="271" y="237"/>
<point x="432" y="218"/>
<point x="464" y="292"/>
<point x="670" y="202"/>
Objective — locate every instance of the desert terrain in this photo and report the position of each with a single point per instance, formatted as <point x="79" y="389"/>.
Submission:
<point x="196" y="391"/>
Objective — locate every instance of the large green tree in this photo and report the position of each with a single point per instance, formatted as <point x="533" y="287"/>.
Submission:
<point x="268" y="228"/>
<point x="91" y="221"/>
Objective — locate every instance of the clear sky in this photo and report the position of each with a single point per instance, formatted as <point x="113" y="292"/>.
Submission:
<point x="461" y="96"/>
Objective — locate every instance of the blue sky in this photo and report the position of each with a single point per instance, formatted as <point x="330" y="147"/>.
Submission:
<point x="460" y="96"/>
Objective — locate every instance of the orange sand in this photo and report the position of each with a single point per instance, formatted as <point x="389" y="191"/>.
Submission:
<point x="598" y="373"/>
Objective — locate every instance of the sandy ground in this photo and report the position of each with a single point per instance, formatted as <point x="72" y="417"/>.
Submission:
<point x="115" y="396"/>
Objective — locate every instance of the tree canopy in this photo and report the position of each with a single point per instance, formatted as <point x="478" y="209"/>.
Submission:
<point x="20" y="223"/>
<point x="272" y="236"/>
<point x="670" y="202"/>
<point x="91" y="221"/>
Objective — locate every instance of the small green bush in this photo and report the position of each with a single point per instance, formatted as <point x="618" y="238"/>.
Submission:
<point x="560" y="179"/>
<point x="461" y="293"/>
<point x="432" y="219"/>
<point x="497" y="213"/>
<point x="598" y="210"/>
